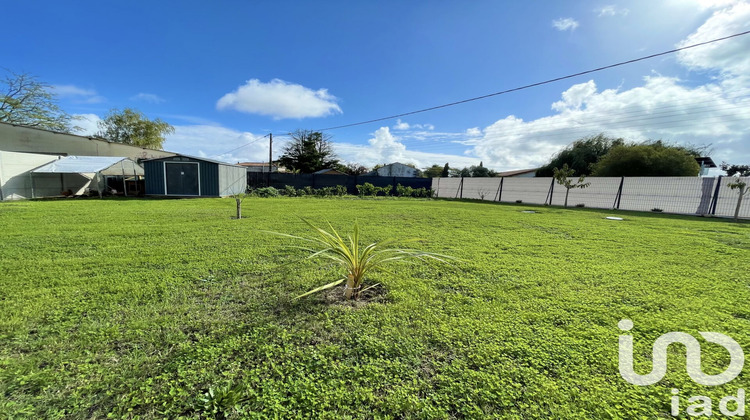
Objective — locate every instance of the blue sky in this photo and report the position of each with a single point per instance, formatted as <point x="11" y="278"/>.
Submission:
<point x="226" y="73"/>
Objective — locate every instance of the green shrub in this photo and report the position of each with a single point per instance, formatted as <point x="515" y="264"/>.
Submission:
<point x="402" y="191"/>
<point x="309" y="190"/>
<point x="340" y="190"/>
<point x="385" y="190"/>
<point x="266" y="192"/>
<point x="290" y="191"/>
<point x="367" y="189"/>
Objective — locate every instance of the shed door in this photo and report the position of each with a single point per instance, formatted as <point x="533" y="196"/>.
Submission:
<point x="181" y="178"/>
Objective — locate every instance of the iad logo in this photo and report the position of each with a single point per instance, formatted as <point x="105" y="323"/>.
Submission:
<point x="702" y="406"/>
<point x="693" y="362"/>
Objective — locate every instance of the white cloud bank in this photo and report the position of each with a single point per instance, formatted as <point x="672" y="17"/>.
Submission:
<point x="565" y="24"/>
<point x="384" y="147"/>
<point x="280" y="99"/>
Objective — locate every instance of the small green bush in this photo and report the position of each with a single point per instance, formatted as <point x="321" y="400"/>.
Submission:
<point x="402" y="191"/>
<point x="366" y="189"/>
<point x="290" y="191"/>
<point x="385" y="190"/>
<point x="266" y="192"/>
<point x="340" y="190"/>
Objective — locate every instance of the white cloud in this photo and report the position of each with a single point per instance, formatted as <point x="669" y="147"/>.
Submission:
<point x="87" y="124"/>
<point x="564" y="24"/>
<point x="728" y="57"/>
<point x="662" y="108"/>
<point x="400" y="125"/>
<point x="611" y="10"/>
<point x="220" y="143"/>
<point x="473" y="132"/>
<point x="77" y="94"/>
<point x="384" y="147"/>
<point x="280" y="99"/>
<point x="147" y="97"/>
<point x="403" y="126"/>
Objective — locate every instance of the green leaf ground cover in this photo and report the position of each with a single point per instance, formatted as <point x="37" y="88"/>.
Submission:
<point x="169" y="308"/>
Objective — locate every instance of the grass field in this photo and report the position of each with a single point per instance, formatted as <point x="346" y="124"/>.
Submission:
<point x="136" y="308"/>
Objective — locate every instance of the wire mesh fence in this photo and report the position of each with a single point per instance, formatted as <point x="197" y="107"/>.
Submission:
<point x="682" y="195"/>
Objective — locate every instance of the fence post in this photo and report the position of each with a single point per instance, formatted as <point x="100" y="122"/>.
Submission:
<point x="715" y="199"/>
<point x="313" y="181"/>
<point x="393" y="188"/>
<point x="460" y="192"/>
<point x="551" y="190"/>
<point x="437" y="191"/>
<point x="499" y="193"/>
<point x="618" y="196"/>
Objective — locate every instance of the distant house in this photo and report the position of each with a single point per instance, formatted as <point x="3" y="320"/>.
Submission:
<point x="523" y="173"/>
<point x="395" y="169"/>
<point x="258" y="167"/>
<point x="705" y="163"/>
<point x="188" y="176"/>
<point x="329" y="171"/>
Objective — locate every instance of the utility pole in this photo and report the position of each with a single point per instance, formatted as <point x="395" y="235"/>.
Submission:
<point x="270" y="157"/>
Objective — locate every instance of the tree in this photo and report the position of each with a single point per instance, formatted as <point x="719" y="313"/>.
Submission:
<point x="473" y="171"/>
<point x="562" y="176"/>
<point x="739" y="170"/>
<point x="446" y="171"/>
<point x="130" y="126"/>
<point x="354" y="168"/>
<point x="433" y="171"/>
<point x="308" y="152"/>
<point x="581" y="155"/>
<point x="26" y="101"/>
<point x="648" y="159"/>
<point x="741" y="188"/>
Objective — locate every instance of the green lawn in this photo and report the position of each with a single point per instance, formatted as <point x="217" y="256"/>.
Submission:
<point x="135" y="308"/>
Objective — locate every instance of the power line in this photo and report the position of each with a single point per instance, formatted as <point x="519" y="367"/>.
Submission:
<point x="557" y="79"/>
<point x="240" y="147"/>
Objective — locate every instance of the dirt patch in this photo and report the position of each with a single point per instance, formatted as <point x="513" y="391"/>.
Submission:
<point x="376" y="294"/>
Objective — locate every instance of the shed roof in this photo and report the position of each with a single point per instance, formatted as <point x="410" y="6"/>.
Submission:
<point x="193" y="157"/>
<point x="106" y="165"/>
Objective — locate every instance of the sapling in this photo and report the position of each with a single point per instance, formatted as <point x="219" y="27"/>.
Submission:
<point x="741" y="187"/>
<point x="562" y="176"/>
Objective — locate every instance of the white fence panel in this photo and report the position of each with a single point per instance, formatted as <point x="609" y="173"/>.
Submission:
<point x="727" y="202"/>
<point x="528" y="190"/>
<point x="684" y="195"/>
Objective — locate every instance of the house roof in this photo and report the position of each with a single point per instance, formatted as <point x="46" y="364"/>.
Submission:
<point x="517" y="172"/>
<point x="328" y="171"/>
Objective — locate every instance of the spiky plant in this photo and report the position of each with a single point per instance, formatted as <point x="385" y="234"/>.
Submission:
<point x="357" y="261"/>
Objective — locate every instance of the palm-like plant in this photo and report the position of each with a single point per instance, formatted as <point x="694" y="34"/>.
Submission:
<point x="357" y="262"/>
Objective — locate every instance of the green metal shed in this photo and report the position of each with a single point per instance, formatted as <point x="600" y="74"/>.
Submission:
<point x="189" y="176"/>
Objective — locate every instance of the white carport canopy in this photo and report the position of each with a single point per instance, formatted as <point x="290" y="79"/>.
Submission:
<point x="94" y="168"/>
